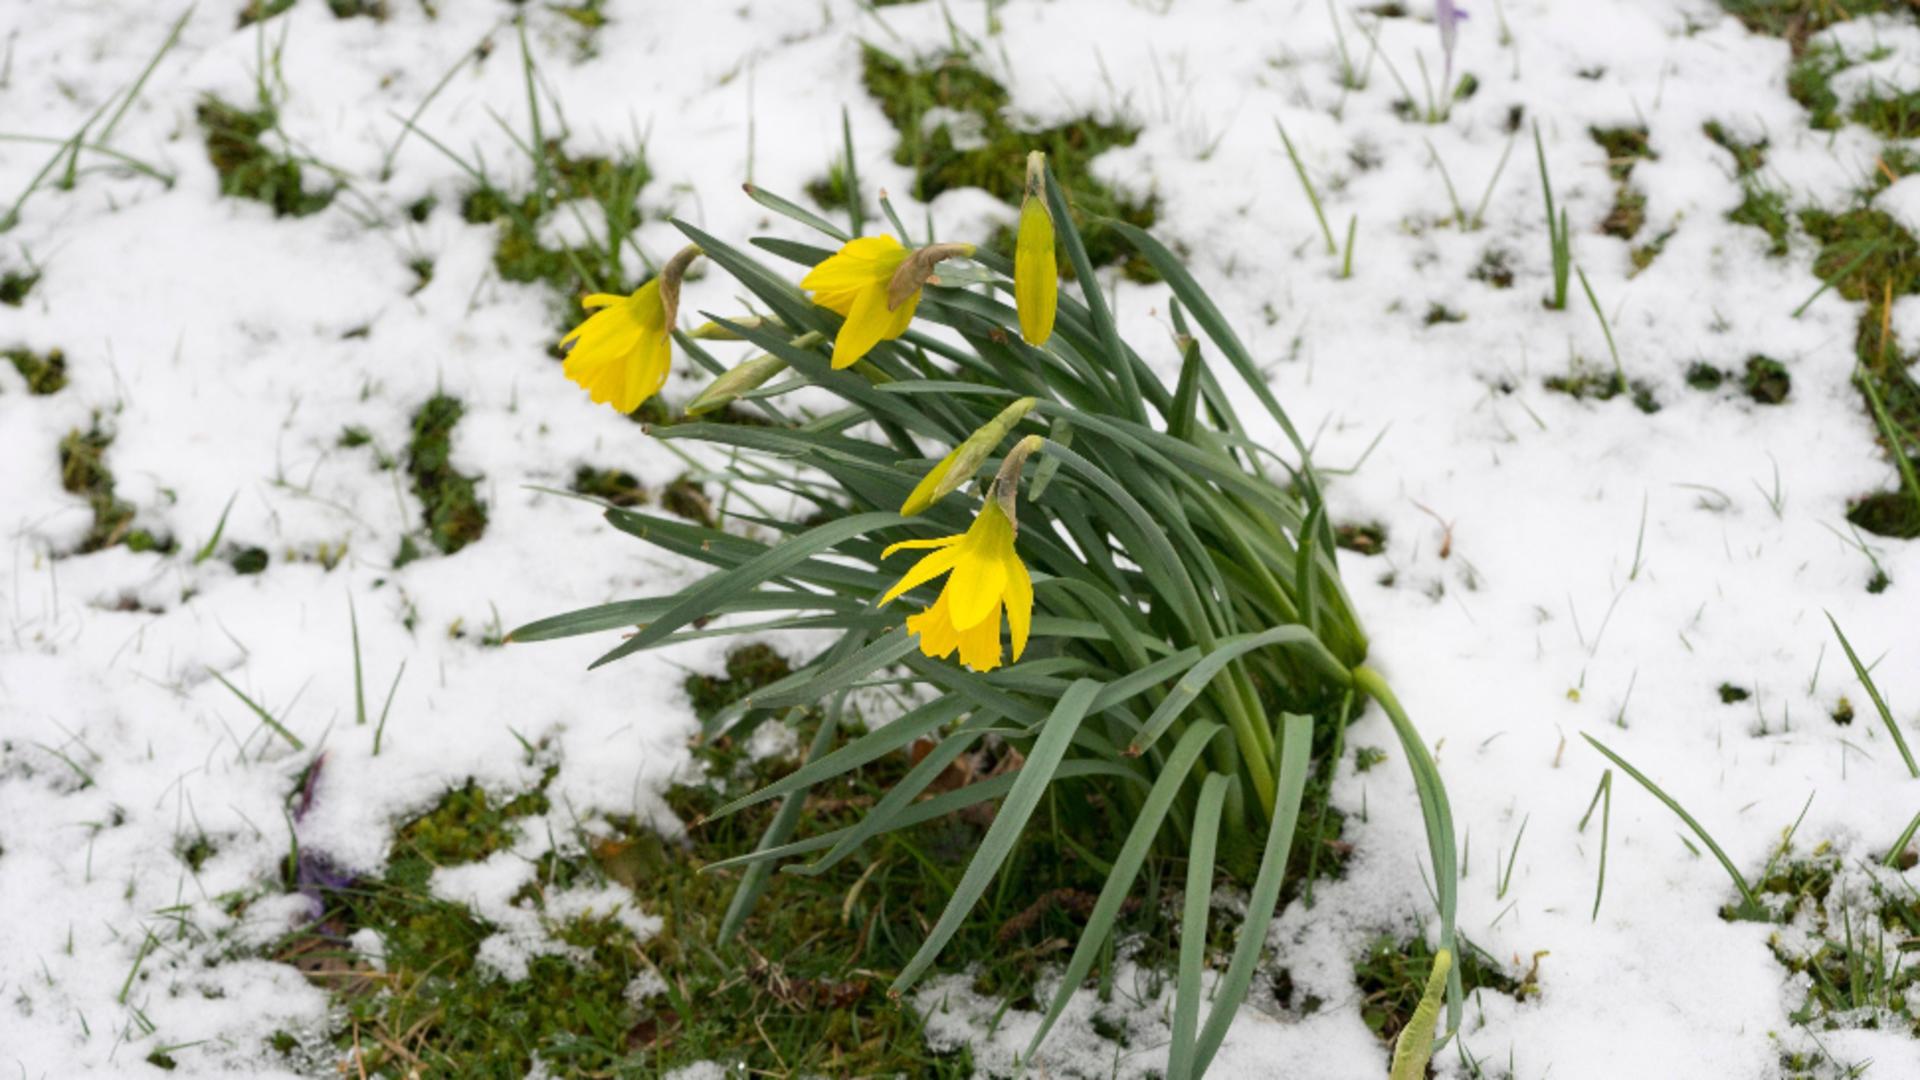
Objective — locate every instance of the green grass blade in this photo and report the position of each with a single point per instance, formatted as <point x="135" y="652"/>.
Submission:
<point x="265" y="717"/>
<point x="1029" y="784"/>
<point x="1296" y="740"/>
<point x="1879" y="703"/>
<point x="699" y="599"/>
<point x="1193" y="924"/>
<point x="872" y="746"/>
<point x="754" y="881"/>
<point x="1126" y="868"/>
<point x="1752" y="902"/>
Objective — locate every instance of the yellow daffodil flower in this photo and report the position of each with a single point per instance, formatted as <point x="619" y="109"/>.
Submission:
<point x="874" y="283"/>
<point x="985" y="575"/>
<point x="621" y="354"/>
<point x="1036" y="275"/>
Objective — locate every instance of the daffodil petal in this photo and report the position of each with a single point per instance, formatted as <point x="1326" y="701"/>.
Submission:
<point x="937" y="636"/>
<point x="866" y="326"/>
<point x="1019" y="604"/>
<point x="917" y="545"/>
<point x="980" y="645"/>
<point x="928" y="568"/>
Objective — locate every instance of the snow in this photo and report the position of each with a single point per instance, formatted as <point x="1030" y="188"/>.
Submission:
<point x="1601" y="571"/>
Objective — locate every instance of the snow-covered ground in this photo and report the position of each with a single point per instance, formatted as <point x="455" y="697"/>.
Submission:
<point x="1553" y="566"/>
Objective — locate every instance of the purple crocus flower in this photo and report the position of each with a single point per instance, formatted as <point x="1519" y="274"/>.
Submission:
<point x="313" y="872"/>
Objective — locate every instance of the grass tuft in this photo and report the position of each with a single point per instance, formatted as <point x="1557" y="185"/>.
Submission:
<point x="46" y="373"/>
<point x="975" y="139"/>
<point x="84" y="472"/>
<point x="749" y="667"/>
<point x="1391" y="975"/>
<point x="248" y="168"/>
<point x="451" y="509"/>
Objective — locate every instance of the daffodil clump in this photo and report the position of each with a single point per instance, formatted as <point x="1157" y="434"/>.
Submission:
<point x="1114" y="573"/>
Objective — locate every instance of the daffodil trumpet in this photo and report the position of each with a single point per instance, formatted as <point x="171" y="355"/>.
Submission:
<point x="621" y="354"/>
<point x="984" y="577"/>
<point x="874" y="284"/>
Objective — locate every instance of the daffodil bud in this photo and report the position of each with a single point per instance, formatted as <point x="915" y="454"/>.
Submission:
<point x="964" y="460"/>
<point x="713" y="331"/>
<point x="745" y="376"/>
<point x="1036" y="275"/>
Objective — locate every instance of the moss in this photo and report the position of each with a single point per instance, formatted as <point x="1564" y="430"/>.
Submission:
<point x="16" y="284"/>
<point x="1441" y="313"/>
<point x="1625" y="147"/>
<point x="1364" y="538"/>
<point x="1868" y="256"/>
<point x="260" y="10"/>
<point x="1887" y="513"/>
<point x="1366" y="757"/>
<point x="1748" y="157"/>
<point x="831" y="191"/>
<point x="1391" y="975"/>
<point x="84" y="472"/>
<point x="616" y="486"/>
<point x="420" y="209"/>
<point x="1703" y="376"/>
<point x="991" y="150"/>
<point x="162" y="1060"/>
<point x="1767" y="380"/>
<point x="453" y="514"/>
<point x="686" y="498"/>
<point x="422" y="268"/>
<point x="1494" y="268"/>
<point x="361" y="9"/>
<point x="1733" y="695"/>
<point x="249" y="560"/>
<point x="247" y="168"/>
<point x="1642" y="256"/>
<point x="1766" y="210"/>
<point x="749" y="668"/>
<point x="196" y="852"/>
<point x="46" y="373"/>
<point x="1583" y="384"/>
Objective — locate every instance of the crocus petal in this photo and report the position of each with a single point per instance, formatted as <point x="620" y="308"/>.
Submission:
<point x="928" y="568"/>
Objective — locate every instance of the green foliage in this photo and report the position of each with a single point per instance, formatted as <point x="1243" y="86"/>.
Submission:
<point x="1887" y="513"/>
<point x="1704" y="376"/>
<point x="84" y="472"/>
<point x="453" y="514"/>
<point x="1748" y="157"/>
<point x="750" y="668"/>
<point x="1733" y="695"/>
<point x="1764" y="209"/>
<point x="1851" y="949"/>
<point x="248" y="167"/>
<point x="1767" y="380"/>
<point x="988" y="151"/>
<point x="1361" y="537"/>
<point x="1894" y="115"/>
<point x="1163" y="559"/>
<point x="16" y="284"/>
<point x="1392" y="974"/>
<point x="1625" y="147"/>
<point x="46" y="373"/>
<point x="1584" y="383"/>
<point x="1797" y="20"/>
<point x="1810" y="82"/>
<point x="1494" y="268"/>
<point x="595" y="266"/>
<point x="617" y="487"/>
